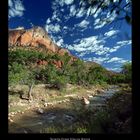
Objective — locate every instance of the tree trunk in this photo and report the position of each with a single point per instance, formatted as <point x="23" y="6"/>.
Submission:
<point x="30" y="92"/>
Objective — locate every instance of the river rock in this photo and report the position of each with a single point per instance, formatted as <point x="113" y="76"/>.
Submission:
<point x="86" y="101"/>
<point x="40" y="111"/>
<point x="90" y="96"/>
<point x="12" y="113"/>
<point x="10" y="120"/>
<point x="45" y="104"/>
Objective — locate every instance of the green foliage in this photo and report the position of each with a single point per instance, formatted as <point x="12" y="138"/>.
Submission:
<point x="127" y="71"/>
<point x="53" y="76"/>
<point x="26" y="57"/>
<point x="97" y="75"/>
<point x="78" y="74"/>
<point x="115" y="79"/>
<point x="81" y="130"/>
<point x="18" y="74"/>
<point x="21" y="71"/>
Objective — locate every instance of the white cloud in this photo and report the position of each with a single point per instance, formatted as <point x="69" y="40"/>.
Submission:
<point x="10" y="3"/>
<point x="65" y="27"/>
<point x="77" y="40"/>
<point x="16" y="8"/>
<point x="81" y="54"/>
<point x="120" y="44"/>
<point x="60" y="42"/>
<point x="111" y="16"/>
<point x="68" y="2"/>
<point x="124" y="42"/>
<point x="116" y="60"/>
<point x="83" y="24"/>
<point x="98" y="60"/>
<point x="102" y="50"/>
<point x="111" y="33"/>
<point x="53" y="28"/>
<point x="55" y="3"/>
<point x="97" y="13"/>
<point x="56" y="16"/>
<point x="48" y="21"/>
<point x="91" y="11"/>
<point x="127" y="1"/>
<point x="99" y="23"/>
<point x="115" y="0"/>
<point x="80" y="12"/>
<point x="91" y="44"/>
<point x="62" y="2"/>
<point x="72" y="10"/>
<point x="116" y="69"/>
<point x="114" y="49"/>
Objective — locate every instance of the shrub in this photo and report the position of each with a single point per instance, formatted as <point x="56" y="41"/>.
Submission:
<point x="127" y="71"/>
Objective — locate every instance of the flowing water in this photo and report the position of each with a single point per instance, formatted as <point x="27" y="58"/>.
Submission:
<point x="63" y="114"/>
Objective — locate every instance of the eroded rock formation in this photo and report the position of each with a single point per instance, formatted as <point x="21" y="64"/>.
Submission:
<point x="34" y="37"/>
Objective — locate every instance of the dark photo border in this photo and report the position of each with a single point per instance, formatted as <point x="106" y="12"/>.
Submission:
<point x="4" y="80"/>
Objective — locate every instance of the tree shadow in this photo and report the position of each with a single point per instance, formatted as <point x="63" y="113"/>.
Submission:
<point x="20" y="93"/>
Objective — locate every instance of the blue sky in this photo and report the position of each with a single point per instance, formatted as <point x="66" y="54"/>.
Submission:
<point x="73" y="28"/>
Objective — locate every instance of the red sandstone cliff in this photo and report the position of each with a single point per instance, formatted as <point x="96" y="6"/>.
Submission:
<point x="34" y="37"/>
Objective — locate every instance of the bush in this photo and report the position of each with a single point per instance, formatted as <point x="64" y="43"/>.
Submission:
<point x="96" y="75"/>
<point x="60" y="82"/>
<point x="127" y="71"/>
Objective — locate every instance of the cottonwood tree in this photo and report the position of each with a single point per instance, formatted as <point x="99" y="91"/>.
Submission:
<point x="19" y="74"/>
<point x="127" y="71"/>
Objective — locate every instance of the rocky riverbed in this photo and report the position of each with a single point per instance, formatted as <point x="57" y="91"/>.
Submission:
<point x="58" y="114"/>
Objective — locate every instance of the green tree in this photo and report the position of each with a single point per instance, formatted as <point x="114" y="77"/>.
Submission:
<point x="127" y="71"/>
<point x="19" y="74"/>
<point x="66" y="64"/>
<point x="54" y="76"/>
<point x="78" y="73"/>
<point x="96" y="74"/>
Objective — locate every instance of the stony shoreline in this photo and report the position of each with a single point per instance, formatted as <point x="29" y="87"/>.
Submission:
<point x="35" y="104"/>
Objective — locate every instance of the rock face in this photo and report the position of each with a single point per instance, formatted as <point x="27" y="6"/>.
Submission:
<point x="34" y="37"/>
<point x="57" y="64"/>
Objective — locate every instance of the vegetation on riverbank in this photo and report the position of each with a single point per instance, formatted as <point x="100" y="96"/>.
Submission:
<point x="23" y="70"/>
